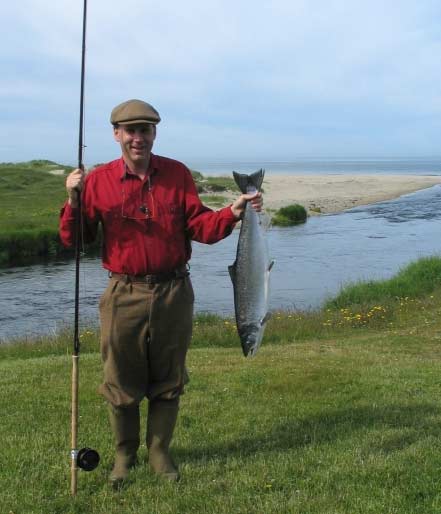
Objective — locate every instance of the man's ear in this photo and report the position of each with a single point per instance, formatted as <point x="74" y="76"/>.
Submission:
<point x="116" y="134"/>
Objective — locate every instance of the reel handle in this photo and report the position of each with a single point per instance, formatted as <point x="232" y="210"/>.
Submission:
<point x="86" y="459"/>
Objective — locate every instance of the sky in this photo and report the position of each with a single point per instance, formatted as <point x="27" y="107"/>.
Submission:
<point x="232" y="80"/>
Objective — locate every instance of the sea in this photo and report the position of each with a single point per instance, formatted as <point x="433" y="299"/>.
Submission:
<point x="324" y="165"/>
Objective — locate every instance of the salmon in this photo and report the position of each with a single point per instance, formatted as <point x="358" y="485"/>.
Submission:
<point x="250" y="273"/>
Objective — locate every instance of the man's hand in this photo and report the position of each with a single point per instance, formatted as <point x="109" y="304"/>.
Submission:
<point x="238" y="207"/>
<point x="74" y="185"/>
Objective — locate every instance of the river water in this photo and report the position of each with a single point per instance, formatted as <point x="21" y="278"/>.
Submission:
<point x="312" y="262"/>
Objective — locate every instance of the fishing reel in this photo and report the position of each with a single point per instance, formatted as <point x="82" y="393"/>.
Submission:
<point x="86" y="458"/>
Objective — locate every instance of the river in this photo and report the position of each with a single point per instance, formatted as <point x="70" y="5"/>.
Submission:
<point x="312" y="262"/>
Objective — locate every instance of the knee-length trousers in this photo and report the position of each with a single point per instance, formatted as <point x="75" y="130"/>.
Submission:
<point x="145" y="334"/>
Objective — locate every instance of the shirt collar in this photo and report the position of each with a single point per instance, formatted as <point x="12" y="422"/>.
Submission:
<point x="153" y="167"/>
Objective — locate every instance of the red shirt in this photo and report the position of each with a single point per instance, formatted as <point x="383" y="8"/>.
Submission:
<point x="147" y="224"/>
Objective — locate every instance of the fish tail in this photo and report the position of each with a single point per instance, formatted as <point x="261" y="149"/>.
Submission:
<point x="250" y="182"/>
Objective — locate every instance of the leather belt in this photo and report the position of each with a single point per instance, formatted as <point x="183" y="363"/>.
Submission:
<point x="155" y="278"/>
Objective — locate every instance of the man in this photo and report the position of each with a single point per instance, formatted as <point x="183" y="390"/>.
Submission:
<point x="149" y="210"/>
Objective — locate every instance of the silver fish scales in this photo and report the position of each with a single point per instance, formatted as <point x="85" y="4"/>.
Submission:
<point x="250" y="273"/>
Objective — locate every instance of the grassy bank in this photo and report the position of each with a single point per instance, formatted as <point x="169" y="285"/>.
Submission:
<point x="31" y="195"/>
<point x="338" y="413"/>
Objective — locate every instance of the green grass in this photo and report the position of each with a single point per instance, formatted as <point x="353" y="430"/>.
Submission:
<point x="335" y="414"/>
<point x="290" y="215"/>
<point x="30" y="201"/>
<point x="416" y="280"/>
<point x="210" y="184"/>
<point x="214" y="200"/>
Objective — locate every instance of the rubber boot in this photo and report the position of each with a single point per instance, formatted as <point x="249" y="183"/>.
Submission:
<point x="162" y="415"/>
<point x="125" y="427"/>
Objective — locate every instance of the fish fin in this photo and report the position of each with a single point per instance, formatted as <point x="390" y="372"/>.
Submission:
<point x="265" y="318"/>
<point x="232" y="272"/>
<point x="246" y="183"/>
<point x="270" y="267"/>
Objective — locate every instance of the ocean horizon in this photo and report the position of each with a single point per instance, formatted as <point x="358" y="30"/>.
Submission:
<point x="424" y="165"/>
<point x="323" y="165"/>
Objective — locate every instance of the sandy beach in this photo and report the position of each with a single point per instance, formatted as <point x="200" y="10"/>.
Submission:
<point x="335" y="193"/>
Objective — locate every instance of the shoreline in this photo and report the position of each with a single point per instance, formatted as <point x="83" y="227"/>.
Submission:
<point x="326" y="194"/>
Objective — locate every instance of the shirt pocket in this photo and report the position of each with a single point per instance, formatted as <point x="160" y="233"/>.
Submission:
<point x="174" y="218"/>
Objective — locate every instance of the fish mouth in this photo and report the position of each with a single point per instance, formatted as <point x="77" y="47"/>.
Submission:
<point x="251" y="338"/>
<point x="250" y="351"/>
<point x="248" y="348"/>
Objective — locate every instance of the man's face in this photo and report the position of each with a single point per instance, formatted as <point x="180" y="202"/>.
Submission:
<point x="136" y="141"/>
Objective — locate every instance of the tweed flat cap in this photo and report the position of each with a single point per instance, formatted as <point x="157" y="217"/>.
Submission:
<point x="134" y="111"/>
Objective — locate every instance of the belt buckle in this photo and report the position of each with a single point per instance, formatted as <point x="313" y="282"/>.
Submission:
<point x="149" y="279"/>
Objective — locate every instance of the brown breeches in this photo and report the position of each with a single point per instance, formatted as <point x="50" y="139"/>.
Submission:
<point x="145" y="334"/>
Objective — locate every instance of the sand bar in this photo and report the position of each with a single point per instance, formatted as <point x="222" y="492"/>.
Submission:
<point x="335" y="193"/>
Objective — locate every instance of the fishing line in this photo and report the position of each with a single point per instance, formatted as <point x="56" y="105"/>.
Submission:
<point x="81" y="148"/>
<point x="83" y="246"/>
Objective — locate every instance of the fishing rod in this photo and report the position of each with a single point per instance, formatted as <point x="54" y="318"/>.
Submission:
<point x="85" y="458"/>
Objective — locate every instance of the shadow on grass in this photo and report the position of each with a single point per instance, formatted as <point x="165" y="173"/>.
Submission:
<point x="421" y="419"/>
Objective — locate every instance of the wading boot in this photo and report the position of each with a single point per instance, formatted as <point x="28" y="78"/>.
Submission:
<point x="125" y="427"/>
<point x="162" y="415"/>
